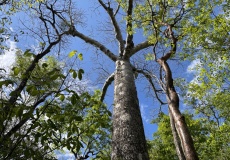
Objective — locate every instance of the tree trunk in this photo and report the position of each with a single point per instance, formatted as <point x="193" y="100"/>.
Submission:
<point x="128" y="139"/>
<point x="176" y="138"/>
<point x="179" y="120"/>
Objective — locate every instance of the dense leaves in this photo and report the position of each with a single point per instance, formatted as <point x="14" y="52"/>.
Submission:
<point x="211" y="142"/>
<point x="49" y="115"/>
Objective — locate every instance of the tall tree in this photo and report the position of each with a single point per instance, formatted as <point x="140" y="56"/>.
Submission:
<point x="128" y="139"/>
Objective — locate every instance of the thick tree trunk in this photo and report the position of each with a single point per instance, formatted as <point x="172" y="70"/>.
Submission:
<point x="128" y="139"/>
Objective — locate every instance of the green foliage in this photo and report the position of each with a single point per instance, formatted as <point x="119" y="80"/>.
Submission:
<point x="19" y="122"/>
<point x="58" y="117"/>
<point x="200" y="27"/>
<point x="81" y="125"/>
<point x="210" y="141"/>
<point x="162" y="146"/>
<point x="46" y="76"/>
<point x="48" y="116"/>
<point x="149" y="57"/>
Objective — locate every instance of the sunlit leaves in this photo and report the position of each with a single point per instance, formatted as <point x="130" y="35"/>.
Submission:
<point x="83" y="119"/>
<point x="149" y="57"/>
<point x="80" y="56"/>
<point x="62" y="97"/>
<point x="72" y="53"/>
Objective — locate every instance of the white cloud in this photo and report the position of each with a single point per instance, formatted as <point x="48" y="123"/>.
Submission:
<point x="146" y="115"/>
<point x="8" y="57"/>
<point x="192" y="68"/>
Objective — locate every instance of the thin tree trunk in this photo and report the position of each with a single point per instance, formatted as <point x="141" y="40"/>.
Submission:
<point x="128" y="139"/>
<point x="176" y="138"/>
<point x="173" y="101"/>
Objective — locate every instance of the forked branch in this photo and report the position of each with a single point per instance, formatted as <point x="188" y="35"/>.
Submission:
<point x="117" y="29"/>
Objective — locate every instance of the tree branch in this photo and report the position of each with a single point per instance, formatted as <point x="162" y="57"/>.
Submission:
<point x="139" y="47"/>
<point x="129" y="28"/>
<point x="149" y="78"/>
<point x="108" y="81"/>
<point x="116" y="27"/>
<point x="26" y="76"/>
<point x="23" y="121"/>
<point x="173" y="101"/>
<point x="3" y="2"/>
<point x="95" y="43"/>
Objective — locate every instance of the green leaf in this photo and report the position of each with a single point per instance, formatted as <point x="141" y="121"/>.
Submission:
<point x="16" y="71"/>
<point x="27" y="53"/>
<point x="19" y="112"/>
<point x="149" y="57"/>
<point x="32" y="90"/>
<point x="78" y="118"/>
<point x="72" y="53"/>
<point x="6" y="83"/>
<point x="109" y="113"/>
<point x="54" y="77"/>
<point x="52" y="124"/>
<point x="29" y="88"/>
<point x="44" y="65"/>
<point x="42" y="44"/>
<point x="73" y="99"/>
<point x="79" y="145"/>
<point x="80" y="56"/>
<point x="80" y="72"/>
<point x="74" y="74"/>
<point x="62" y="97"/>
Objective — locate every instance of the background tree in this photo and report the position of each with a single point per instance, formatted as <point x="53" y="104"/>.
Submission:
<point x="37" y="102"/>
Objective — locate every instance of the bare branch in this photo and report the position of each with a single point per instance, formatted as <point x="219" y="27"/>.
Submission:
<point x="116" y="26"/>
<point x="139" y="47"/>
<point x="118" y="7"/>
<point x="108" y="81"/>
<point x="148" y="76"/>
<point x="4" y="2"/>
<point x="95" y="43"/>
<point x="129" y="28"/>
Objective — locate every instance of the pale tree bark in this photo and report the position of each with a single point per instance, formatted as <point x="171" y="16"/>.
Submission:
<point x="128" y="139"/>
